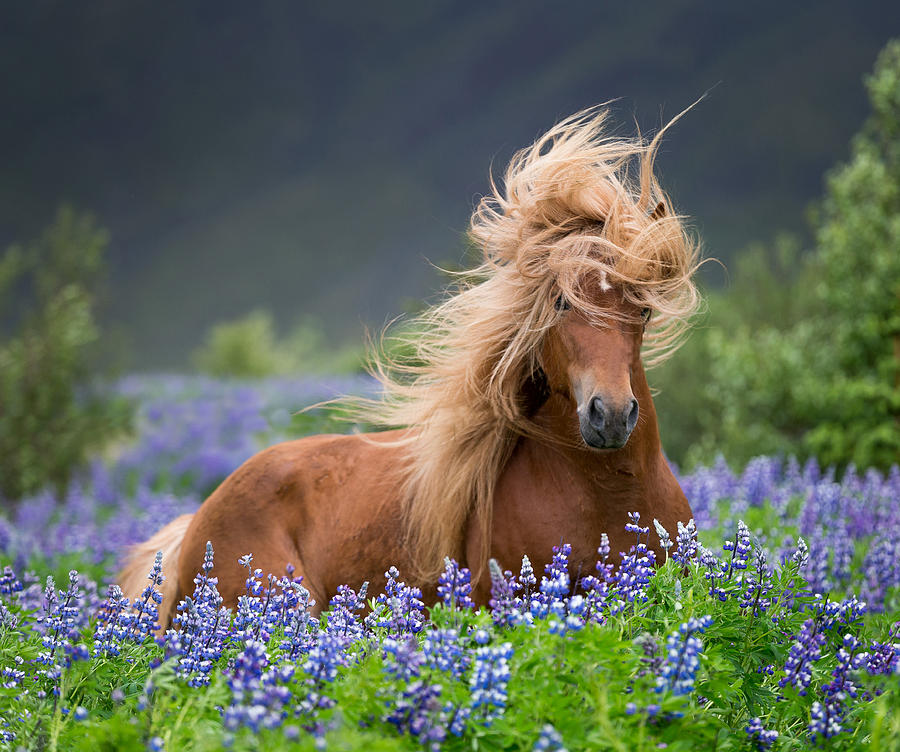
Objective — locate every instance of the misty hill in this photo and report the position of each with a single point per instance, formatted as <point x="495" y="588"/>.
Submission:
<point x="312" y="158"/>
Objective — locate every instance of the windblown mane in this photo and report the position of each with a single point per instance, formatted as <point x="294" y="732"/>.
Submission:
<point x="575" y="205"/>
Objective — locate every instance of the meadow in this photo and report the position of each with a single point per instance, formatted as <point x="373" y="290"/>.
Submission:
<point x="772" y="623"/>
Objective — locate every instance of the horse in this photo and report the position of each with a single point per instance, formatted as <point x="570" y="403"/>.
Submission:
<point x="523" y="418"/>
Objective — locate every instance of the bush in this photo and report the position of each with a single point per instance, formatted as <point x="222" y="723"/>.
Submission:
<point x="248" y="347"/>
<point x="50" y="417"/>
<point x="803" y="355"/>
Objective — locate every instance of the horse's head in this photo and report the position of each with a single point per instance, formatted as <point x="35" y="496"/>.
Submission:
<point x="592" y="361"/>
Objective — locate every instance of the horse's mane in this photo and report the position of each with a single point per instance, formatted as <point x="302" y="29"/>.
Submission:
<point x="574" y="205"/>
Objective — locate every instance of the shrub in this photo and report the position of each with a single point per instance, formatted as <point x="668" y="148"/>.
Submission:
<point x="50" y="417"/>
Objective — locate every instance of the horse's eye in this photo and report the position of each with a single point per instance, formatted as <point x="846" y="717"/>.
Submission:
<point x="562" y="304"/>
<point x="645" y="314"/>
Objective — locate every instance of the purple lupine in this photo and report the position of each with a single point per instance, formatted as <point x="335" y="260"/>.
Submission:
<point x="683" y="647"/>
<point x="637" y="566"/>
<point x="259" y="695"/>
<point x="506" y="608"/>
<point x="527" y="580"/>
<point x="549" y="740"/>
<point x="827" y="717"/>
<point x="111" y="628"/>
<point x="341" y="620"/>
<point x="686" y="540"/>
<point x="200" y="627"/>
<point x="757" y="585"/>
<point x="740" y="548"/>
<point x="443" y="651"/>
<point x="144" y="617"/>
<point x="60" y="621"/>
<point x="761" y="738"/>
<point x="9" y="583"/>
<point x="455" y="586"/>
<point x="418" y="711"/>
<point x="487" y="684"/>
<point x="806" y="650"/>
<point x="399" y="609"/>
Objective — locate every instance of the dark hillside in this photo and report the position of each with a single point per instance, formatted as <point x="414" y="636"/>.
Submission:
<point x="310" y="158"/>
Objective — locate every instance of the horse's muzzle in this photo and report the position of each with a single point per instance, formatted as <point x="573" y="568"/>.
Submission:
<point x="604" y="427"/>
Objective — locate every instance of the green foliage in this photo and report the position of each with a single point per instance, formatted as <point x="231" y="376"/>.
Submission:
<point x="249" y="347"/>
<point x="49" y="418"/>
<point x="802" y="355"/>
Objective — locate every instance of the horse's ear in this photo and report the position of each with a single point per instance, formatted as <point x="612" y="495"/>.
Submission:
<point x="535" y="392"/>
<point x="659" y="212"/>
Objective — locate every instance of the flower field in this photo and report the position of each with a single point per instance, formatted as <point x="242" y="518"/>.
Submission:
<point x="771" y="623"/>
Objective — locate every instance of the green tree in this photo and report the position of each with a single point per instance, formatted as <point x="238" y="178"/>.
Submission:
<point x="50" y="417"/>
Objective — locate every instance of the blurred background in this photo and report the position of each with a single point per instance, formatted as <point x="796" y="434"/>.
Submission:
<point x="242" y="189"/>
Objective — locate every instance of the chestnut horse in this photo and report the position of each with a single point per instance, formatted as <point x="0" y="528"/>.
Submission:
<point x="525" y="418"/>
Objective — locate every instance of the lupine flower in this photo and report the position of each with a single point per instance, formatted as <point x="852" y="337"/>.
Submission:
<point x="682" y="650"/>
<point x="455" y="586"/>
<point x="806" y="650"/>
<point x="399" y="609"/>
<point x="200" y="628"/>
<point x="9" y="583"/>
<point x="740" y="548"/>
<point x="259" y="695"/>
<point x="403" y="660"/>
<point x="827" y="718"/>
<point x="505" y="606"/>
<point x="761" y="738"/>
<point x="490" y="674"/>
<point x="145" y="610"/>
<point x="527" y="579"/>
<point x="549" y="740"/>
<point x="418" y="711"/>
<point x="637" y="565"/>
<point x="443" y="652"/>
<point x="111" y="628"/>
<point x="665" y="541"/>
<point x="757" y="585"/>
<point x="687" y="542"/>
<point x="342" y="622"/>
<point x="60" y="619"/>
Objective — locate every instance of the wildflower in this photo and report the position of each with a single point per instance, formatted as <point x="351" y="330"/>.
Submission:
<point x="827" y="718"/>
<point x="757" y="586"/>
<point x="443" y="652"/>
<point x="526" y="577"/>
<point x="200" y="627"/>
<point x="549" y="740"/>
<point x="111" y="628"/>
<point x="418" y="712"/>
<point x="258" y="693"/>
<point x="399" y="608"/>
<point x="9" y="583"/>
<point x="637" y="565"/>
<point x="342" y="622"/>
<point x="805" y="651"/>
<point x="490" y="674"/>
<point x="739" y="547"/>
<point x="455" y="586"/>
<point x="682" y="661"/>
<point x="144" y="619"/>
<point x="665" y="541"/>
<point x="761" y="738"/>
<point x="505" y="606"/>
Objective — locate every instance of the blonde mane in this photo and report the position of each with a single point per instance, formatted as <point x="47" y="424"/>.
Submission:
<point x="576" y="205"/>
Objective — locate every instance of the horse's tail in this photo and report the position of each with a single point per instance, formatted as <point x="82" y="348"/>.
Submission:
<point x="133" y="577"/>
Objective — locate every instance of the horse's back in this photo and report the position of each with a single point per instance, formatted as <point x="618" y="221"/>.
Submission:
<point x="326" y="504"/>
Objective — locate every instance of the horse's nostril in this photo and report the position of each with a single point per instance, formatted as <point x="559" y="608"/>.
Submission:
<point x="595" y="414"/>
<point x="631" y="420"/>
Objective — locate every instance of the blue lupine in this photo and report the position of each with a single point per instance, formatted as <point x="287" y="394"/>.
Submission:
<point x="443" y="651"/>
<point x="827" y="717"/>
<point x="683" y="648"/>
<point x="806" y="650"/>
<point x="144" y="617"/>
<point x="259" y="695"/>
<point x="418" y="711"/>
<point x="455" y="586"/>
<point x="665" y="542"/>
<point x="506" y="608"/>
<point x="399" y="609"/>
<point x="490" y="674"/>
<point x="549" y="740"/>
<point x="637" y="566"/>
<point x="686" y="540"/>
<point x="9" y="583"/>
<point x="761" y="738"/>
<point x="740" y="548"/>
<point x="757" y="586"/>
<point x="111" y="628"/>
